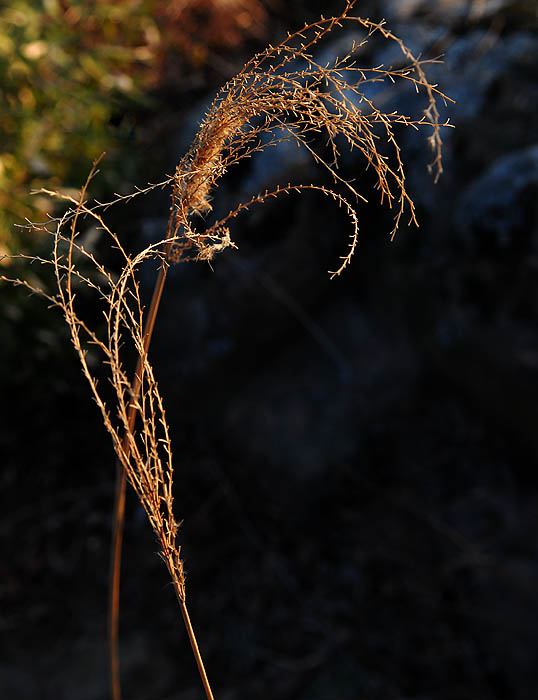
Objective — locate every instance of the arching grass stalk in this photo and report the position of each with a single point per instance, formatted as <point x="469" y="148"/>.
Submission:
<point x="119" y="501"/>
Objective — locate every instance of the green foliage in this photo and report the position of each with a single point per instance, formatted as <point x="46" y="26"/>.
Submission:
<point x="68" y="73"/>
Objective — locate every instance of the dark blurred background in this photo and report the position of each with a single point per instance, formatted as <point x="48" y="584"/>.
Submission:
<point x="356" y="459"/>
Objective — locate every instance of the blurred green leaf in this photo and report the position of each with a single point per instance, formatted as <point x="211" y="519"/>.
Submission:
<point x="66" y="71"/>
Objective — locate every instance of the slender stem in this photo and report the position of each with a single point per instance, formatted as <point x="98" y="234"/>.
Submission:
<point x="119" y="504"/>
<point x="119" y="507"/>
<point x="115" y="569"/>
<point x="195" y="650"/>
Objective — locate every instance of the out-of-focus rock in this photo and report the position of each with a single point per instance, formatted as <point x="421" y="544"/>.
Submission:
<point x="452" y="11"/>
<point x="500" y="200"/>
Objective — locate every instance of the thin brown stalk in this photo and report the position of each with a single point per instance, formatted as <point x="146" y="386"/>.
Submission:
<point x="114" y="582"/>
<point x="119" y="501"/>
<point x="194" y="647"/>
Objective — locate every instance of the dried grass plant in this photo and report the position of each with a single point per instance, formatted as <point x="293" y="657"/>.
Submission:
<point x="282" y="93"/>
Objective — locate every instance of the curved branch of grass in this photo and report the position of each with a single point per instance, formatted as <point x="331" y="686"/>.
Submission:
<point x="141" y="458"/>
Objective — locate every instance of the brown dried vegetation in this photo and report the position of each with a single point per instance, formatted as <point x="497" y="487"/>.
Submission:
<point x="281" y="94"/>
<point x="194" y="28"/>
